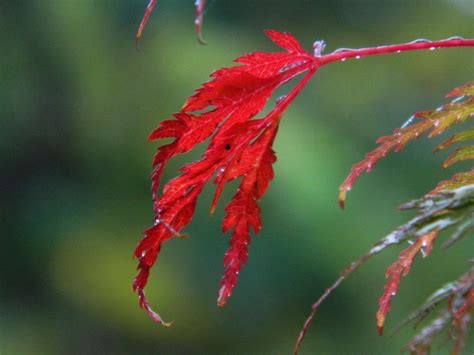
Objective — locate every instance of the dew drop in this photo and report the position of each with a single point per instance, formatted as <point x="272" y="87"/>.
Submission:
<point x="318" y="47"/>
<point x="460" y="98"/>
<point x="357" y="57"/>
<point x="280" y="99"/>
<point x="420" y="40"/>
<point x="408" y="122"/>
<point x="454" y="38"/>
<point x="399" y="51"/>
<point x="292" y="65"/>
<point x="432" y="48"/>
<point x="343" y="59"/>
<point x="339" y="50"/>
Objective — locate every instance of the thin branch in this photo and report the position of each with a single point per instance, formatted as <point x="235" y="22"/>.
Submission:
<point x="418" y="44"/>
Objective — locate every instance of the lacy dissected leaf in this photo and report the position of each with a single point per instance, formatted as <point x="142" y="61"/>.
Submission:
<point x="462" y="319"/>
<point x="436" y="211"/>
<point x="433" y="121"/>
<point x="400" y="268"/>
<point x="224" y="109"/>
<point x="427" y="307"/>
<point x="460" y="154"/>
<point x="459" y="295"/>
<point x="443" y="208"/>
<point x="200" y="6"/>
<point x="456" y="138"/>
<point x="458" y="180"/>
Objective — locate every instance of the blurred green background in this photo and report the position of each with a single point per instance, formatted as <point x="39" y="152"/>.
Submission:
<point x="77" y="103"/>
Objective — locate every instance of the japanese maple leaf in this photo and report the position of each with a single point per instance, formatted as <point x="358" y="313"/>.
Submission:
<point x="224" y="110"/>
<point x="240" y="147"/>
<point x="400" y="268"/>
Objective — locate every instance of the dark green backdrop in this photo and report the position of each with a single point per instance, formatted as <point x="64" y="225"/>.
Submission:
<point x="76" y="105"/>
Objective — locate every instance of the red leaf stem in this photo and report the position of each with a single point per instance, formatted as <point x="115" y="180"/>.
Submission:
<point x="200" y="5"/>
<point x="146" y="15"/>
<point x="419" y="44"/>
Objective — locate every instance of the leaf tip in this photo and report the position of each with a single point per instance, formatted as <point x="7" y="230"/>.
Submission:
<point x="146" y="306"/>
<point x="167" y="324"/>
<point x="137" y="42"/>
<point x="380" y="322"/>
<point x="200" y="38"/>
<point x="342" y="198"/>
<point x="224" y="294"/>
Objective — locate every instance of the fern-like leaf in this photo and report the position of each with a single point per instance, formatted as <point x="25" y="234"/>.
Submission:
<point x="456" y="138"/>
<point x="400" y="268"/>
<point x="460" y="154"/>
<point x="433" y="121"/>
<point x="458" y="298"/>
<point x="240" y="147"/>
<point x="449" y="205"/>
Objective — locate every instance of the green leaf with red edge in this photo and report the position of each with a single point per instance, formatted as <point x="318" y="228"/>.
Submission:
<point x="458" y="180"/>
<point x="400" y="268"/>
<point x="433" y="121"/>
<point x="224" y="109"/>
<point x="466" y="89"/>
<point x="460" y="154"/>
<point x="456" y="138"/>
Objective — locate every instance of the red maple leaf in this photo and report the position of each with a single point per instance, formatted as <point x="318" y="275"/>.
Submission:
<point x="240" y="147"/>
<point x="224" y="110"/>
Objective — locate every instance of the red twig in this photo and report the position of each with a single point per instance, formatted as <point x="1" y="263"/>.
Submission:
<point x="148" y="11"/>
<point x="419" y="44"/>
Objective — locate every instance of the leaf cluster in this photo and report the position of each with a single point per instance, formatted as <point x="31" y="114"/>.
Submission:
<point x="449" y="206"/>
